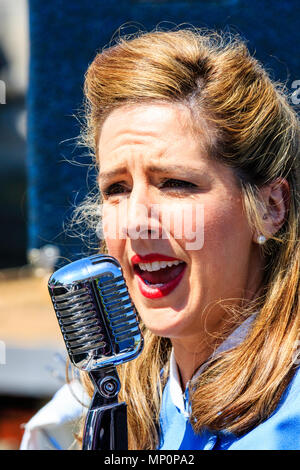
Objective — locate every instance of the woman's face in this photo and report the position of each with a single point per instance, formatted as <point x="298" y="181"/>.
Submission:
<point x="174" y="219"/>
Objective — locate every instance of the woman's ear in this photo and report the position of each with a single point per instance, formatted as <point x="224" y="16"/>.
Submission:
<point x="275" y="199"/>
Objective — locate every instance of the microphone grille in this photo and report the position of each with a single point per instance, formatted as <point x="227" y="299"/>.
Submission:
<point x="97" y="318"/>
<point x="78" y="320"/>
<point x="119" y="310"/>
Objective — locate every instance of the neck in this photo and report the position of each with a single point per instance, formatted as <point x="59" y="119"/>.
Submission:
<point x="191" y="352"/>
<point x="188" y="361"/>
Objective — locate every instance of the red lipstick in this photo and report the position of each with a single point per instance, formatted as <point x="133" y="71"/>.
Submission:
<point x="150" y="258"/>
<point x="171" y="276"/>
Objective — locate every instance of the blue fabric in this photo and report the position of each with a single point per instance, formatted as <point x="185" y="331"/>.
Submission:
<point x="281" y="431"/>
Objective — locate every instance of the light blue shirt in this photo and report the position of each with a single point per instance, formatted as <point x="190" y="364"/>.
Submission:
<point x="281" y="431"/>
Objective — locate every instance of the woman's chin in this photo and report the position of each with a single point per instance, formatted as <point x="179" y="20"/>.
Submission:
<point x="167" y="324"/>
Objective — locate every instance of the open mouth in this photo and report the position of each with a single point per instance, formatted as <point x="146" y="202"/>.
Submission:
<point x="158" y="277"/>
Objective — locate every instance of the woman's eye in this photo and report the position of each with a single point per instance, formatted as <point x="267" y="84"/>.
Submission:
<point x="114" y="189"/>
<point x="174" y="183"/>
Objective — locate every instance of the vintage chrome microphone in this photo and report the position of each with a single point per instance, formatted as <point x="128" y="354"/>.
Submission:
<point x="99" y="325"/>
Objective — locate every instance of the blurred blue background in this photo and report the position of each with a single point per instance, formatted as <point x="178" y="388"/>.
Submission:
<point x="45" y="48"/>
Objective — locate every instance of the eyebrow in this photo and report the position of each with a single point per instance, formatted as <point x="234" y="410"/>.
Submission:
<point x="107" y="175"/>
<point x="184" y="171"/>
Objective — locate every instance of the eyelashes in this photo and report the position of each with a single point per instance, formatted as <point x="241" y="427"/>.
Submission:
<point x="170" y="183"/>
<point x="175" y="183"/>
<point x="113" y="189"/>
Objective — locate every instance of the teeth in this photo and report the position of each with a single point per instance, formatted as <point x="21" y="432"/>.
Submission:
<point x="156" y="265"/>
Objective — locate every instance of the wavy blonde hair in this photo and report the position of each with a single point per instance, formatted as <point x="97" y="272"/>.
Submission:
<point x="258" y="137"/>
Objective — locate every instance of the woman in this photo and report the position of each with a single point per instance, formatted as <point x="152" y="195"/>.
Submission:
<point x="187" y="121"/>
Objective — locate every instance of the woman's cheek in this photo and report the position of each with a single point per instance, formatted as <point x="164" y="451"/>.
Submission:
<point x="183" y="221"/>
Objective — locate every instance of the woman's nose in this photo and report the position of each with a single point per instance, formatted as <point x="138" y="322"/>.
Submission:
<point x="141" y="219"/>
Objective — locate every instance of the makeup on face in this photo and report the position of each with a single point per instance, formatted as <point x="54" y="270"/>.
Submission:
<point x="148" y="156"/>
<point x="157" y="275"/>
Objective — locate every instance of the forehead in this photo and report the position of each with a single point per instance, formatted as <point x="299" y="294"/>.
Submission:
<point x="156" y="128"/>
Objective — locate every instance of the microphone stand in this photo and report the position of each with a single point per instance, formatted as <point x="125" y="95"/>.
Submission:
<point x="106" y="420"/>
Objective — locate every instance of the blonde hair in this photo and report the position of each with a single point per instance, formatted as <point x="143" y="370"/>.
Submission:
<point x="258" y="136"/>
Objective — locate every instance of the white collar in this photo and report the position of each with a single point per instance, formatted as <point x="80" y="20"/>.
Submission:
<point x="177" y="397"/>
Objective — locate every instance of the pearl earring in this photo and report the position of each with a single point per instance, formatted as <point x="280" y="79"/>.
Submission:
<point x="261" y="239"/>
